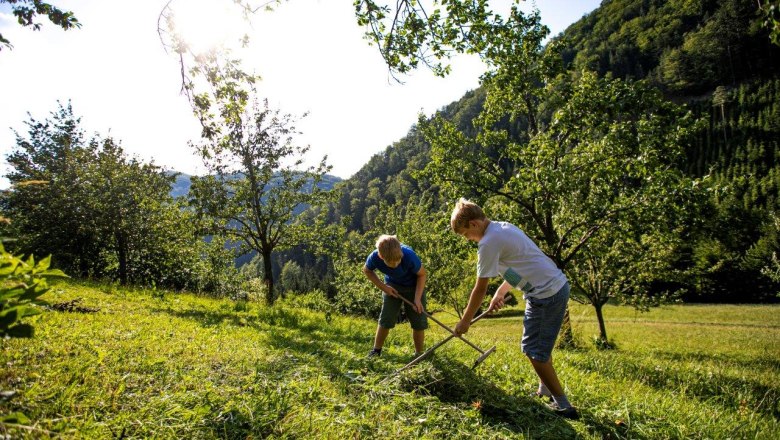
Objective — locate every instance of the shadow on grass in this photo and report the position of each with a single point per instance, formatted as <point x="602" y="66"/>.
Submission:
<point x="733" y="393"/>
<point x="290" y="333"/>
<point x="454" y="383"/>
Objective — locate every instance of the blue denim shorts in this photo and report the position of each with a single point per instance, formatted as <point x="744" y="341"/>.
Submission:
<point x="541" y="324"/>
<point x="391" y="307"/>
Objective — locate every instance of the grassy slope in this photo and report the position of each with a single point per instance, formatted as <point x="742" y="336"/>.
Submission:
<point x="188" y="367"/>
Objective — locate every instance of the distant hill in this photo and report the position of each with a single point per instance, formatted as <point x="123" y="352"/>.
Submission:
<point x="181" y="186"/>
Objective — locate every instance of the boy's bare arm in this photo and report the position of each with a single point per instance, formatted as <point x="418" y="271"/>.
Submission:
<point x="422" y="275"/>
<point x="475" y="300"/>
<point x="498" y="298"/>
<point x="378" y="283"/>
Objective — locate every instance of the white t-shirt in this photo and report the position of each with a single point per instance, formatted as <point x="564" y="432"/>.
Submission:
<point x="505" y="250"/>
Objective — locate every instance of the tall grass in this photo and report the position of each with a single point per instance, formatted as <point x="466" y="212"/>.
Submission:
<point x="163" y="365"/>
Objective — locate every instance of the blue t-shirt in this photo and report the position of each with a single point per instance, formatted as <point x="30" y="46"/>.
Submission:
<point x="405" y="274"/>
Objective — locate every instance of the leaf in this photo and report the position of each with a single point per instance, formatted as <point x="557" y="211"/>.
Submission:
<point x="17" y="417"/>
<point x="8" y="268"/>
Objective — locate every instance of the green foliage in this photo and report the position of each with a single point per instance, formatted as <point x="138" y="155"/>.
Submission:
<point x="22" y="282"/>
<point x="355" y="294"/>
<point x="26" y="11"/>
<point x="100" y="213"/>
<point x="315" y="300"/>
<point x="411" y="33"/>
<point x="685" y="47"/>
<point x="771" y="11"/>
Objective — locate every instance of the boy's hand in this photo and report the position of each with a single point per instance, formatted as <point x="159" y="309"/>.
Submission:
<point x="462" y="327"/>
<point x="391" y="291"/>
<point x="418" y="307"/>
<point x="496" y="303"/>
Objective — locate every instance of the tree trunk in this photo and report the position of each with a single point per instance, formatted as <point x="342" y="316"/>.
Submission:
<point x="566" y="335"/>
<point x="269" y="278"/>
<point x="122" y="251"/>
<point x="600" y="317"/>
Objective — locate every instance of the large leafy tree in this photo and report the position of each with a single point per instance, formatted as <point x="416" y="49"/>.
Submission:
<point x="570" y="160"/>
<point x="45" y="203"/>
<point x="257" y="181"/>
<point x="26" y="12"/>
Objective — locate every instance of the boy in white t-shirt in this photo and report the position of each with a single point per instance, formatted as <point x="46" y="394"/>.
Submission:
<point x="506" y="251"/>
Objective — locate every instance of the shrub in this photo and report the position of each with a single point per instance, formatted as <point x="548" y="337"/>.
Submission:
<point x="315" y="300"/>
<point x="355" y="294"/>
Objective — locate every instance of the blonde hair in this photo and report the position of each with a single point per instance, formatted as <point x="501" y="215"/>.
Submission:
<point x="389" y="248"/>
<point x="464" y="212"/>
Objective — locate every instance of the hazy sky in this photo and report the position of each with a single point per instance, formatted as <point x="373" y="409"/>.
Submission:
<point x="310" y="54"/>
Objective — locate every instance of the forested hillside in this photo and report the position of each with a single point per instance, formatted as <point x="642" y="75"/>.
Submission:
<point x="716" y="58"/>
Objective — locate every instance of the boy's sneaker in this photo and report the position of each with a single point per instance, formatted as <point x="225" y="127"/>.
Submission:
<point x="569" y="413"/>
<point x="374" y="353"/>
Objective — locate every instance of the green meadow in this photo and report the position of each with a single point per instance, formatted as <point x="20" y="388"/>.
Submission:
<point x="152" y="364"/>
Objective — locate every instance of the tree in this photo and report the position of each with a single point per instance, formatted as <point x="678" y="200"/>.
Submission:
<point x="98" y="212"/>
<point x="256" y="184"/>
<point x="622" y="266"/>
<point x="720" y="97"/>
<point x="26" y="11"/>
<point x="607" y="156"/>
<point x="46" y="203"/>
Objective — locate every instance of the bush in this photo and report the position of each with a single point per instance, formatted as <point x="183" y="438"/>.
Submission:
<point x="315" y="300"/>
<point x="355" y="294"/>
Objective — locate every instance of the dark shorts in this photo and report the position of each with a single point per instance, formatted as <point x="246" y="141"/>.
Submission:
<point x="391" y="307"/>
<point x="541" y="324"/>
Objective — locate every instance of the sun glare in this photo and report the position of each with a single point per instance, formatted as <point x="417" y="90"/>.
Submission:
<point x="208" y="24"/>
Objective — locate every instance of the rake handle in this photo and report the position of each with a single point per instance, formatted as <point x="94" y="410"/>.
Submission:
<point x="417" y="360"/>
<point x="444" y="326"/>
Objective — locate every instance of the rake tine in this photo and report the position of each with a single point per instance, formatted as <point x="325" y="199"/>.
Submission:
<point x="483" y="357"/>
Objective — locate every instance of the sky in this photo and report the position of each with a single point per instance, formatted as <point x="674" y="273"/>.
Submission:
<point x="310" y="54"/>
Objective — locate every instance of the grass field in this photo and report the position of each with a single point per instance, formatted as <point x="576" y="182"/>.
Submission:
<point x="151" y="365"/>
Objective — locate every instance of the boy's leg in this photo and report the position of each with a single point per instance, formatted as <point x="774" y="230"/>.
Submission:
<point x="387" y="318"/>
<point x="547" y="376"/>
<point x="542" y="321"/>
<point x="418" y="321"/>
<point x="419" y="340"/>
<point x="381" y="335"/>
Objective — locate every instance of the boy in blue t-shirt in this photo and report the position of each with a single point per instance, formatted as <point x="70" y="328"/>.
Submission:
<point x="404" y="276"/>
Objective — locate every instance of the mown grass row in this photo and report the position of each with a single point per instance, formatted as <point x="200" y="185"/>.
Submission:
<point x="178" y="366"/>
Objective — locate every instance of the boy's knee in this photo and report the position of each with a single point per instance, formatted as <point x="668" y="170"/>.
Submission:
<point x="538" y="358"/>
<point x="386" y="324"/>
